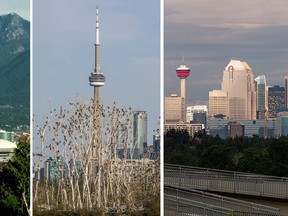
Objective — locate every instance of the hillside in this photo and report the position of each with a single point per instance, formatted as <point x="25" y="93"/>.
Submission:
<point x="14" y="71"/>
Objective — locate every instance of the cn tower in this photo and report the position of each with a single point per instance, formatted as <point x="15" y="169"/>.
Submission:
<point x="183" y="72"/>
<point x="97" y="79"/>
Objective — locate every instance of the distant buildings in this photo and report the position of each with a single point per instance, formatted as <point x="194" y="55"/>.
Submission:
<point x="282" y="124"/>
<point x="222" y="127"/>
<point x="190" y="128"/>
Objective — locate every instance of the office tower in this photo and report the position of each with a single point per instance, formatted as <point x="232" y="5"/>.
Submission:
<point x="286" y="91"/>
<point x="276" y="100"/>
<point x="261" y="96"/>
<point x="139" y="133"/>
<point x="218" y="103"/>
<point x="238" y="82"/>
<point x="174" y="109"/>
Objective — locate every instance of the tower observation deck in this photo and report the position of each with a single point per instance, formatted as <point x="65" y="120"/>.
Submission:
<point x="183" y="72"/>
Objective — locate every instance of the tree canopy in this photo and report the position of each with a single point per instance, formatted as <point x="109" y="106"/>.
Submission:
<point x="268" y="156"/>
<point x="15" y="181"/>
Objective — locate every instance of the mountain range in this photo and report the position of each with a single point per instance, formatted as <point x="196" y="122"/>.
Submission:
<point x="14" y="71"/>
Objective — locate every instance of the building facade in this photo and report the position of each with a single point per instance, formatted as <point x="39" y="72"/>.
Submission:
<point x="276" y="100"/>
<point x="218" y="103"/>
<point x="261" y="96"/>
<point x="174" y="109"/>
<point x="139" y="133"/>
<point x="238" y="82"/>
<point x="190" y="128"/>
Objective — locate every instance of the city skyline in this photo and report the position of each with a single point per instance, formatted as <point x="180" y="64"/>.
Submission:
<point x="130" y="54"/>
<point x="209" y="34"/>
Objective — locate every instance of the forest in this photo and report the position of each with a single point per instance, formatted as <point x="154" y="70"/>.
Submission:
<point x="267" y="156"/>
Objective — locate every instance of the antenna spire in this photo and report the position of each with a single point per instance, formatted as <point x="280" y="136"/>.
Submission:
<point x="97" y="27"/>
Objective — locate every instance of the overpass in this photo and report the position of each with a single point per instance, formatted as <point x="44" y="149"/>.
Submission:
<point x="229" y="182"/>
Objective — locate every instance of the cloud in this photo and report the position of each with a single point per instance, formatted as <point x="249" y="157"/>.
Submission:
<point x="227" y="13"/>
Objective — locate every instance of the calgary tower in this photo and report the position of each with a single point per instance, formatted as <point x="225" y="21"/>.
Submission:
<point x="97" y="79"/>
<point x="183" y="72"/>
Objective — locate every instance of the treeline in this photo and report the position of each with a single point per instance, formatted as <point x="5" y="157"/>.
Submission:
<point x="255" y="155"/>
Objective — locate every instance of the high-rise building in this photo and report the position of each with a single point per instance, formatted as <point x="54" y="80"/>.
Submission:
<point x="174" y="109"/>
<point x="276" y="100"/>
<point x="218" y="103"/>
<point x="238" y="82"/>
<point x="261" y="96"/>
<point x="139" y="133"/>
<point x="286" y="91"/>
<point x="196" y="114"/>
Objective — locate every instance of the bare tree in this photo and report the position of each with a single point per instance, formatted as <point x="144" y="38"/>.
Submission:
<point x="83" y="141"/>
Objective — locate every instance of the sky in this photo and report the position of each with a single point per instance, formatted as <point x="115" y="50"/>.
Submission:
<point x="21" y="7"/>
<point x="63" y="51"/>
<point x="211" y="33"/>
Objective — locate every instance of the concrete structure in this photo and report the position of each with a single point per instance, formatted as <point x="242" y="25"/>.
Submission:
<point x="97" y="78"/>
<point x="174" y="109"/>
<point x="276" y="100"/>
<point x="191" y="128"/>
<point x="139" y="133"/>
<point x="7" y="150"/>
<point x="282" y="124"/>
<point x="218" y="103"/>
<point x="183" y="72"/>
<point x="238" y="82"/>
<point x="261" y="96"/>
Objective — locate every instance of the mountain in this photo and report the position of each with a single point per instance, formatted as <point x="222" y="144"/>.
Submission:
<point x="14" y="70"/>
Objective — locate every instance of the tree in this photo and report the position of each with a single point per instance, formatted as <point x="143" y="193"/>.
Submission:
<point x="15" y="181"/>
<point x="84" y="140"/>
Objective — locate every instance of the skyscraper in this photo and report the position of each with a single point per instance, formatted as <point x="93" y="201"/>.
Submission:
<point x="238" y="82"/>
<point x="276" y="100"/>
<point x="139" y="133"/>
<point x="261" y="96"/>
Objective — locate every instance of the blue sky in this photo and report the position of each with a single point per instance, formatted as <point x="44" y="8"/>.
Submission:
<point x="21" y="7"/>
<point x="210" y="33"/>
<point x="64" y="35"/>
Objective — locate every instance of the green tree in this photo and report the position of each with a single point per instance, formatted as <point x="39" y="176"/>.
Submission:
<point x="15" y="181"/>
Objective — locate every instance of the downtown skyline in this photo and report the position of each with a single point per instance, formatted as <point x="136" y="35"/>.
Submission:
<point x="210" y="34"/>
